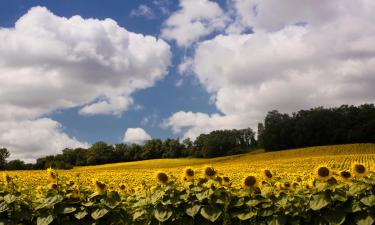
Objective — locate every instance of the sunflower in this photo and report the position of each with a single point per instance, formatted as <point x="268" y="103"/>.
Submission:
<point x="188" y="174"/>
<point x="323" y="173"/>
<point x="225" y="181"/>
<point x="267" y="174"/>
<point x="6" y="179"/>
<point x="51" y="174"/>
<point x="122" y="186"/>
<point x="359" y="170"/>
<point x="76" y="193"/>
<point x="210" y="172"/>
<point x="162" y="177"/>
<point x="52" y="186"/>
<point x="100" y="187"/>
<point x="345" y="175"/>
<point x="250" y="182"/>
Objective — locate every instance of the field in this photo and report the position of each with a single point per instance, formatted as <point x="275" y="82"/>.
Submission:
<point x="318" y="185"/>
<point x="290" y="163"/>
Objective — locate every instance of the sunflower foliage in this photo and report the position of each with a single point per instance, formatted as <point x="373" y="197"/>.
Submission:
<point x="327" y="198"/>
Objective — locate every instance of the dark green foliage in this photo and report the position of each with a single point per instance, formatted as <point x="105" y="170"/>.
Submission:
<point x="318" y="126"/>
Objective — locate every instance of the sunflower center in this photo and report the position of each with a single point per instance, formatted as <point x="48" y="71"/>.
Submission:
<point x="268" y="173"/>
<point x="250" y="181"/>
<point x="210" y="171"/>
<point x="323" y="172"/>
<point x="360" y="168"/>
<point x="162" y="177"/>
<point x="189" y="172"/>
<point x="226" y="179"/>
<point x="345" y="174"/>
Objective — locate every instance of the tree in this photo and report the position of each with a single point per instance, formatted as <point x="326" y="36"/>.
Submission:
<point x="4" y="154"/>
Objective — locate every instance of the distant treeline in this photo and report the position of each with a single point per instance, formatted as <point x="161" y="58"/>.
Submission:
<point x="318" y="126"/>
<point x="314" y="127"/>
<point x="216" y="143"/>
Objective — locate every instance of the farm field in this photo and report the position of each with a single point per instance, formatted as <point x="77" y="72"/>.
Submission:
<point x="319" y="185"/>
<point x="290" y="164"/>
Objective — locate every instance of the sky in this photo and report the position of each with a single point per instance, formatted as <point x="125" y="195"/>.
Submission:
<point x="76" y="72"/>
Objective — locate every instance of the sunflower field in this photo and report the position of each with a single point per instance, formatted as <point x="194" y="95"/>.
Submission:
<point x="319" y="185"/>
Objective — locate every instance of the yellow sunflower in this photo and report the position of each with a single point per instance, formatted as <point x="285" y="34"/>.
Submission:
<point x="323" y="173"/>
<point x="250" y="182"/>
<point x="359" y="170"/>
<point x="209" y="172"/>
<point x="162" y="177"/>
<point x="345" y="175"/>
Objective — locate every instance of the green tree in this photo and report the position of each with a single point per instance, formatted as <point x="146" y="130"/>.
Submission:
<point x="4" y="154"/>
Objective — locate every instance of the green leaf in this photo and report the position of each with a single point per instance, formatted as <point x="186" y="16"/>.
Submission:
<point x="369" y="201"/>
<point x="44" y="220"/>
<point x="335" y="217"/>
<point x="277" y="220"/>
<point x="68" y="209"/>
<point x="355" y="188"/>
<point x="50" y="202"/>
<point x="162" y="214"/>
<point x="211" y="213"/>
<point x="138" y="214"/>
<point x="192" y="210"/>
<point x="3" y="207"/>
<point x="80" y="215"/>
<point x="246" y="216"/>
<point x="365" y="220"/>
<point x="9" y="198"/>
<point x="318" y="201"/>
<point x="99" y="213"/>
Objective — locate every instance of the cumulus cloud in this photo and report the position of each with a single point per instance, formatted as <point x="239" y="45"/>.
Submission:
<point x="285" y="65"/>
<point x="39" y="137"/>
<point x="194" y="20"/>
<point x="48" y="63"/>
<point x="136" y="135"/>
<point x="143" y="11"/>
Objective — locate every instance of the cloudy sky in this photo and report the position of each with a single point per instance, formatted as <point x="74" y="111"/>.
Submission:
<point x="75" y="73"/>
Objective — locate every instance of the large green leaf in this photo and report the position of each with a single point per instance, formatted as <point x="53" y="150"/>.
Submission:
<point x="318" y="202"/>
<point x="211" y="213"/>
<point x="99" y="213"/>
<point x="365" y="220"/>
<point x="9" y="198"/>
<point x="50" y="202"/>
<point x="192" y="210"/>
<point x="369" y="201"/>
<point x="3" y="207"/>
<point x="246" y="216"/>
<point x="68" y="209"/>
<point x="80" y="215"/>
<point x="44" y="220"/>
<point x="335" y="217"/>
<point x="162" y="214"/>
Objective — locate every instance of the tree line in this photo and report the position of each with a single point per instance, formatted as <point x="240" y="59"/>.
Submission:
<point x="217" y="143"/>
<point x="318" y="126"/>
<point x="313" y="127"/>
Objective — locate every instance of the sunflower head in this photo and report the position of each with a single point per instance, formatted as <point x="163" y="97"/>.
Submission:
<point x="100" y="187"/>
<point x="359" y="170"/>
<point x="250" y="182"/>
<point x="6" y="178"/>
<point x="267" y="174"/>
<point x="52" y="186"/>
<point x="122" y="186"/>
<point x="51" y="174"/>
<point x="345" y="175"/>
<point x="323" y="173"/>
<point x="76" y="193"/>
<point x="210" y="172"/>
<point x="162" y="177"/>
<point x="188" y="174"/>
<point x="225" y="181"/>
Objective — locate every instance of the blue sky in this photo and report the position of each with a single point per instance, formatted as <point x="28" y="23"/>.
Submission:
<point x="76" y="72"/>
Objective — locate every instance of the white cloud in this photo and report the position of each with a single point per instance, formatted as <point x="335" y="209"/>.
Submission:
<point x="136" y="135"/>
<point x="327" y="62"/>
<point x="143" y="11"/>
<point x="49" y="63"/>
<point x="194" y="20"/>
<point x="40" y="137"/>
